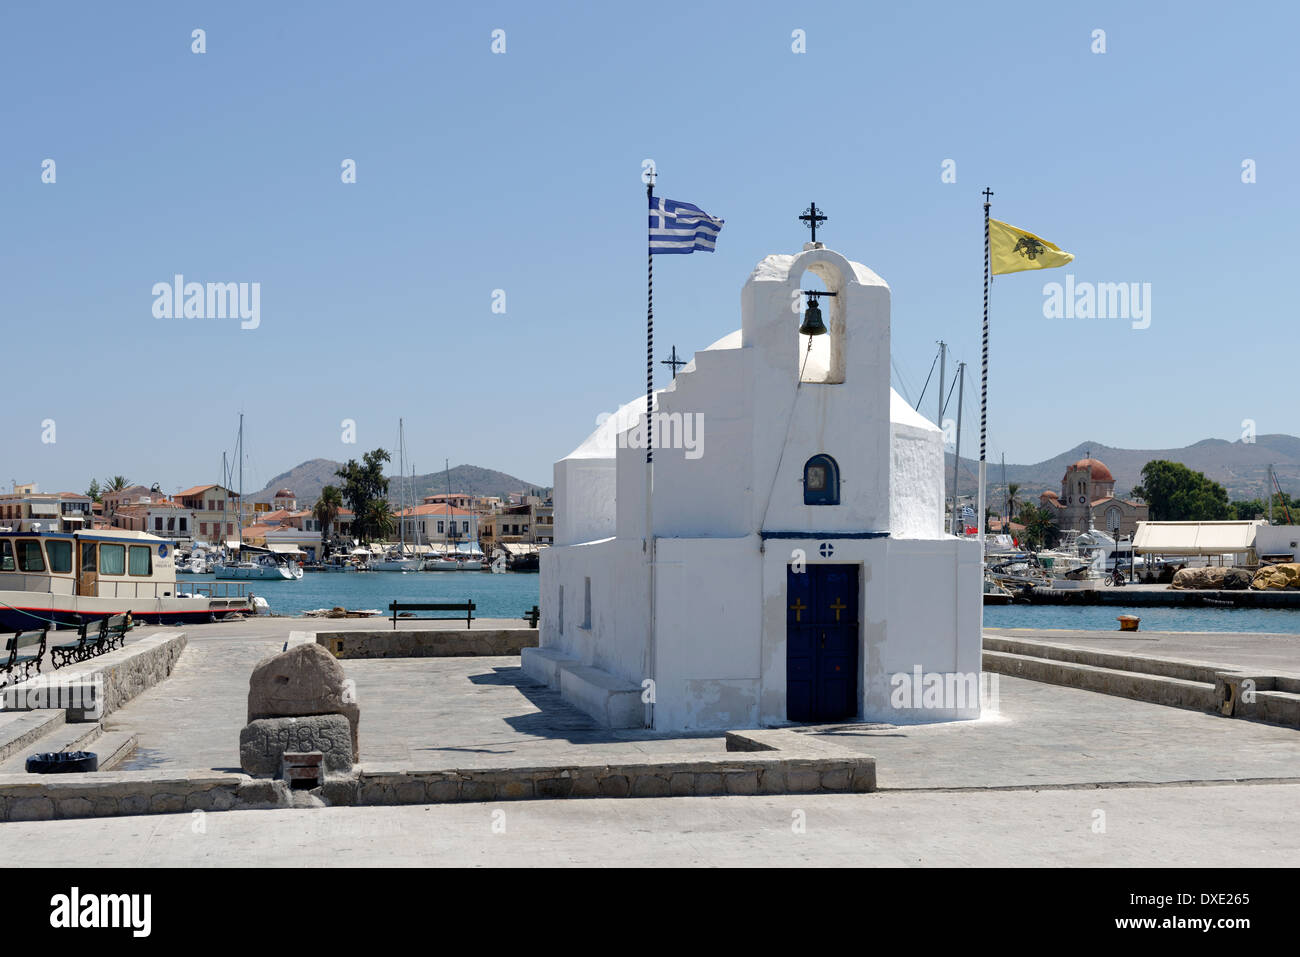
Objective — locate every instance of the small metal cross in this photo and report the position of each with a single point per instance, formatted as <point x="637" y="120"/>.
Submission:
<point x="811" y="217"/>
<point x="673" y="361"/>
<point x="987" y="193"/>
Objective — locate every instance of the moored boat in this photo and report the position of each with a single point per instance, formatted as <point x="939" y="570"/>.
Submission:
<point x="67" y="577"/>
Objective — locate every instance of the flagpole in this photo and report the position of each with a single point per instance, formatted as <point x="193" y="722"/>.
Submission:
<point x="649" y="548"/>
<point x="984" y="383"/>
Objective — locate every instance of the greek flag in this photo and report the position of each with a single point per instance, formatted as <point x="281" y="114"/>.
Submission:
<point x="680" y="227"/>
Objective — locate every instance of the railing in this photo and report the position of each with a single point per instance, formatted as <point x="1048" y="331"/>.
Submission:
<point x="171" y="589"/>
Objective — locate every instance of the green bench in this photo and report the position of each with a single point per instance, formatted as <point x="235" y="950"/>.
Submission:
<point x="18" y="641"/>
<point x="464" y="610"/>
<point x="93" y="638"/>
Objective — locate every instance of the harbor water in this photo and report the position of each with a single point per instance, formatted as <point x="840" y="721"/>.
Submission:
<point x="512" y="594"/>
<point x="494" y="596"/>
<point x="1154" y="618"/>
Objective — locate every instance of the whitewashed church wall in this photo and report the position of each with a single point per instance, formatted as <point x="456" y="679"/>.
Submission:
<point x="615" y="639"/>
<point x="707" y="613"/>
<point x="848" y="420"/>
<point x="941" y="637"/>
<point x="585" y="500"/>
<point x="915" y="483"/>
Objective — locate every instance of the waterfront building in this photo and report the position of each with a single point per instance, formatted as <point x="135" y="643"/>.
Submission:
<point x="800" y="568"/>
<point x="160" y="516"/>
<point x="213" y="507"/>
<point x="26" y="508"/>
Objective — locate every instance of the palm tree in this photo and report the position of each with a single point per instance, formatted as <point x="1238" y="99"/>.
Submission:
<point x="115" y="484"/>
<point x="325" y="511"/>
<point x="1013" y="500"/>
<point x="380" y="519"/>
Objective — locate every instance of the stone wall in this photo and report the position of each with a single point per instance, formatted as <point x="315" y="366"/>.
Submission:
<point x="774" y="762"/>
<point x="428" y="643"/>
<point x="117" y="676"/>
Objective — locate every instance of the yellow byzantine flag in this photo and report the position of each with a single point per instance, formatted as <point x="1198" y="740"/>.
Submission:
<point x="1012" y="249"/>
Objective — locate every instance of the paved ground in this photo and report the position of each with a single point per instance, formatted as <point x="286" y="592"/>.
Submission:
<point x="1052" y="735"/>
<point x="1220" y="827"/>
<point x="1273" y="652"/>
<point x="415" y="712"/>
<point x="1032" y="780"/>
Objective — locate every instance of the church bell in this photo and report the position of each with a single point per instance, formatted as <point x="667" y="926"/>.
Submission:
<point x="812" y="320"/>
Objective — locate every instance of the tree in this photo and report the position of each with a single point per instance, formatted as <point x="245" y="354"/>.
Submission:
<point x="363" y="484"/>
<point x="1283" y="505"/>
<point x="116" y="483"/>
<point x="1041" y="530"/>
<point x="325" y="511"/>
<point x="380" y="518"/>
<point x="1175" y="493"/>
<point x="94" y="490"/>
<point x="1013" y="499"/>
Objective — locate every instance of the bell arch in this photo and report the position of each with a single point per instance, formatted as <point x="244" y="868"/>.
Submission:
<point x="824" y="363"/>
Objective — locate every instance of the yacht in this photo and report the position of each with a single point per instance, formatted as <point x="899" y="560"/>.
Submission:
<point x="262" y="565"/>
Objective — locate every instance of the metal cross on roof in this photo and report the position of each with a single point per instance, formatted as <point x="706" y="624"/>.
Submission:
<point x="673" y="361"/>
<point x="811" y="217"/>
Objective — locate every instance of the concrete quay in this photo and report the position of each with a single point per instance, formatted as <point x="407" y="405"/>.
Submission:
<point x="448" y="742"/>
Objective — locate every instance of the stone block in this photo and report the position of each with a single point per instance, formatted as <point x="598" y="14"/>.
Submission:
<point x="650" y="785"/>
<point x="614" y="785"/>
<point x="264" y="741"/>
<point x="31" y="809"/>
<point x="303" y="681"/>
<point x="741" y="782"/>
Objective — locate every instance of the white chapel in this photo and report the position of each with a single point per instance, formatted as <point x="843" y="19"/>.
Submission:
<point x="796" y="553"/>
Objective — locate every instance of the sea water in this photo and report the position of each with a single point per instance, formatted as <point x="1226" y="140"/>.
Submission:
<point x="494" y="596"/>
<point x="1154" y="618"/>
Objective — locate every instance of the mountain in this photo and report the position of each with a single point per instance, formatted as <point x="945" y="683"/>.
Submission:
<point x="306" y="481"/>
<point x="1240" y="467"/>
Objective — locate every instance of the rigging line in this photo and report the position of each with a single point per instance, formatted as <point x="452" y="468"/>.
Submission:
<point x="945" y="401"/>
<point x="927" y="382"/>
<point x="901" y="384"/>
<point x="789" y="420"/>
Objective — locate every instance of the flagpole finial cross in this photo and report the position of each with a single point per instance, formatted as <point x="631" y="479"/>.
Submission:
<point x="987" y="193"/>
<point x="811" y="217"/>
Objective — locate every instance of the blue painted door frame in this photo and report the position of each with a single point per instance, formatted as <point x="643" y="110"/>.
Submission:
<point x="821" y="678"/>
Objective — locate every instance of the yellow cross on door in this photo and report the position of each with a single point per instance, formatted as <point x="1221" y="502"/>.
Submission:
<point x="798" y="608"/>
<point x="838" y="606"/>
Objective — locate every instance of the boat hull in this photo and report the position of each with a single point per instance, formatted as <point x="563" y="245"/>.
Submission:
<point x="23" y="610"/>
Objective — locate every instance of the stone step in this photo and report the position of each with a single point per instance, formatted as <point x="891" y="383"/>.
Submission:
<point x="1117" y="660"/>
<point x="64" y="737"/>
<point x="18" y="729"/>
<point x="1157" y="689"/>
<point x="114" y="747"/>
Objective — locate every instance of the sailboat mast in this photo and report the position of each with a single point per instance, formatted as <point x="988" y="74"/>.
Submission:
<point x="239" y="506"/>
<point x="401" y="485"/>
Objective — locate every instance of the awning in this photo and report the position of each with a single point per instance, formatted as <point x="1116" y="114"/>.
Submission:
<point x="1194" y="538"/>
<point x="282" y="548"/>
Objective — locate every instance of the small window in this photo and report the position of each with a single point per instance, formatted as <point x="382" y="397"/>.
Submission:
<point x="141" y="560"/>
<point x="6" y="555"/>
<point x="30" y="558"/>
<point x="60" y="555"/>
<point x="112" y="559"/>
<point x="586" y="603"/>
<point x="561" y="609"/>
<point x="87" y="556"/>
<point x="440" y="528"/>
<point x="821" y="481"/>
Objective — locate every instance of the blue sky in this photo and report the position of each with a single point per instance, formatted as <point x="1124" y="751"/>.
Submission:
<point x="521" y="172"/>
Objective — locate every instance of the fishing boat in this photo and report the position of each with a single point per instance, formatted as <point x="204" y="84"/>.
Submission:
<point x="68" y="577"/>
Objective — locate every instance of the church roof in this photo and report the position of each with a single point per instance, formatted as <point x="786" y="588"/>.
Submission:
<point x="1096" y="468"/>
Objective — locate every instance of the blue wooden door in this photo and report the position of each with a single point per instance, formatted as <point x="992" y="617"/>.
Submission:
<point x="821" y="678"/>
